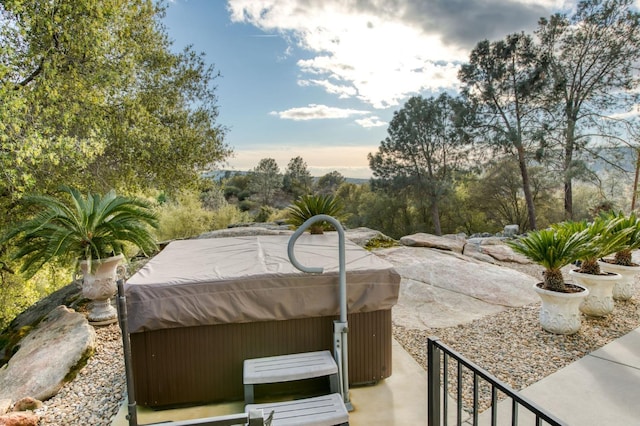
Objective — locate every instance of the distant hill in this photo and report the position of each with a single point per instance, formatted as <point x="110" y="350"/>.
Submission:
<point x="218" y="174"/>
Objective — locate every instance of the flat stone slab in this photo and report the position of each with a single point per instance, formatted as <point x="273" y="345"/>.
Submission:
<point x="443" y="289"/>
<point x="47" y="355"/>
<point x="433" y="241"/>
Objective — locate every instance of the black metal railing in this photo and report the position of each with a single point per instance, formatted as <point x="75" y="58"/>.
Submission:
<point x="438" y="360"/>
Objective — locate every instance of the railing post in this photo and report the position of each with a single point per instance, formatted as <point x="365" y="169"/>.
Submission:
<point x="256" y="418"/>
<point x="433" y="382"/>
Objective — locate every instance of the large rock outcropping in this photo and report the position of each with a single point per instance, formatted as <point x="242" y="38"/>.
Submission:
<point x="444" y="289"/>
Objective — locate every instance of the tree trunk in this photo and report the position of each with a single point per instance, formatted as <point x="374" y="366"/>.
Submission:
<point x="635" y="182"/>
<point x="435" y="216"/>
<point x="568" y="179"/>
<point x="531" y="211"/>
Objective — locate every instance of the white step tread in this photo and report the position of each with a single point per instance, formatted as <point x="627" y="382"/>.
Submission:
<point x="326" y="410"/>
<point x="285" y="368"/>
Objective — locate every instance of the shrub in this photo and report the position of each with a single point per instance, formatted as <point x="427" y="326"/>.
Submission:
<point x="183" y="218"/>
<point x="308" y="206"/>
<point x="229" y="214"/>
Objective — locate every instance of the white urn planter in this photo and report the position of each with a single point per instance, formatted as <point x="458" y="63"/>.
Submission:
<point x="624" y="288"/>
<point x="599" y="302"/>
<point x="560" y="312"/>
<point x="99" y="286"/>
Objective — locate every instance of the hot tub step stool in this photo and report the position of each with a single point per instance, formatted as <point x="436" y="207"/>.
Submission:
<point x="323" y="410"/>
<point x="326" y="410"/>
<point x="287" y="368"/>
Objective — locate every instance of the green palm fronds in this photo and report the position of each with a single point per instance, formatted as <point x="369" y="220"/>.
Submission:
<point x="629" y="224"/>
<point x="552" y="249"/>
<point x="81" y="228"/>
<point x="603" y="240"/>
<point x="308" y="206"/>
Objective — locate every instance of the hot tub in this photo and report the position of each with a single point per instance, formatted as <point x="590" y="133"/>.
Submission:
<point x="199" y="308"/>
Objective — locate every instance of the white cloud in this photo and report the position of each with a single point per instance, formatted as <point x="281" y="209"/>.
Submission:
<point x="343" y="91"/>
<point x="371" y="55"/>
<point x="382" y="51"/>
<point x="317" y="112"/>
<point x="372" y="121"/>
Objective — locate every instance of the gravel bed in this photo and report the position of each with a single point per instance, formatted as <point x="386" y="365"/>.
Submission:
<point x="96" y="394"/>
<point x="510" y="345"/>
<point x="513" y="347"/>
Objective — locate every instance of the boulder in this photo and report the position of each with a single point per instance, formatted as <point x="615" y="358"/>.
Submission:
<point x="511" y="230"/>
<point x="433" y="241"/>
<point x="20" y="418"/>
<point x="475" y="252"/>
<point x="486" y="241"/>
<point x="69" y="295"/>
<point x="27" y="403"/>
<point x="47" y="356"/>
<point x="443" y="289"/>
<point x="5" y="406"/>
<point x="362" y="236"/>
<point x="504" y="253"/>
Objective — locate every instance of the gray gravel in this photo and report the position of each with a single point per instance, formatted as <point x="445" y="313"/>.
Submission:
<point x="96" y="394"/>
<point x="511" y="345"/>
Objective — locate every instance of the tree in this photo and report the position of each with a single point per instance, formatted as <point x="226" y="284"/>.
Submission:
<point x="328" y="184"/>
<point x="593" y="60"/>
<point x="92" y="96"/>
<point x="265" y="179"/>
<point x="505" y="79"/>
<point x="297" y="180"/>
<point x="424" y="148"/>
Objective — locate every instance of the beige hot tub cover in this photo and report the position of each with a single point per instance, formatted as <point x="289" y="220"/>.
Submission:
<point x="250" y="279"/>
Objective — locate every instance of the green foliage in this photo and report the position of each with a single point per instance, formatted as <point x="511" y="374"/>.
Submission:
<point x="602" y="240"/>
<point x="552" y="249"/>
<point x="188" y="217"/>
<point x="297" y="180"/>
<point x="308" y="206"/>
<point x="380" y="242"/>
<point x="264" y="214"/>
<point x="630" y="225"/>
<point x="329" y="183"/>
<point x="75" y="227"/>
<point x="229" y="214"/>
<point x="592" y="57"/>
<point x="425" y="146"/>
<point x="505" y="79"/>
<point x="353" y="199"/>
<point x="92" y="95"/>
<point x="264" y="180"/>
<point x="185" y="217"/>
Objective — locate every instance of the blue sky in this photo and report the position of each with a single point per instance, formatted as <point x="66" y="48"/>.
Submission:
<point x="321" y="79"/>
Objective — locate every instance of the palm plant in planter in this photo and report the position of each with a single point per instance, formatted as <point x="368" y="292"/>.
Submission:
<point x="90" y="232"/>
<point x="602" y="241"/>
<point x="622" y="262"/>
<point x="308" y="206"/>
<point x="553" y="249"/>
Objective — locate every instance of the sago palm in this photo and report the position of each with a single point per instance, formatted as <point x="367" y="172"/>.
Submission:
<point x="631" y="225"/>
<point x="601" y="241"/>
<point x="308" y="206"/>
<point x="552" y="249"/>
<point x="75" y="227"/>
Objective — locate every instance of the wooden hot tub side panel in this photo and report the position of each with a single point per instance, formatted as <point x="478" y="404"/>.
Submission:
<point x="193" y="365"/>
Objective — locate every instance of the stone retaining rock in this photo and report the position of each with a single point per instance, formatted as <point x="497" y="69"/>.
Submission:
<point x="433" y="241"/>
<point x="20" y="418"/>
<point x="442" y="289"/>
<point x="47" y="355"/>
